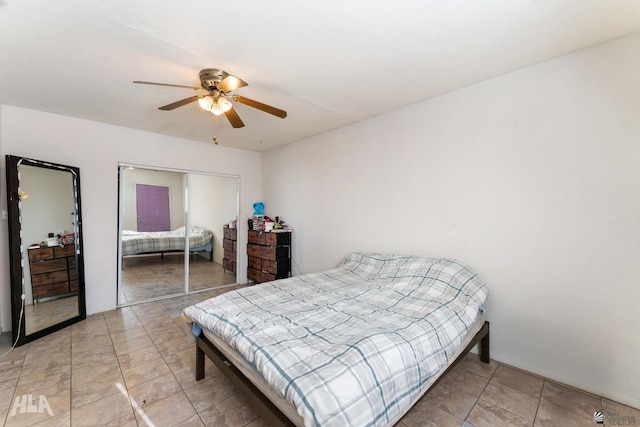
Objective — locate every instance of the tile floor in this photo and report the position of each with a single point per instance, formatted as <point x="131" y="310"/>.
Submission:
<point x="135" y="366"/>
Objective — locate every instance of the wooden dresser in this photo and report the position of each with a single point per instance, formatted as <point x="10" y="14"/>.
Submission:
<point x="269" y="255"/>
<point x="230" y="246"/>
<point x="53" y="271"/>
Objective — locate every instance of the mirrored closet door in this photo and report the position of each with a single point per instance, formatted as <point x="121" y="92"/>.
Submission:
<point x="171" y="232"/>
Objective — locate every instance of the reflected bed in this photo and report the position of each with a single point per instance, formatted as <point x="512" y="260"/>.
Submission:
<point x="160" y="242"/>
<point x="354" y="345"/>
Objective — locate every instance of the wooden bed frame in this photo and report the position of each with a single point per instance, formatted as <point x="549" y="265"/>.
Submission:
<point x="271" y="414"/>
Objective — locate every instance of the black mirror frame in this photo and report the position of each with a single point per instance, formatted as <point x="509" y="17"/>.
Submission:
<point x="15" y="252"/>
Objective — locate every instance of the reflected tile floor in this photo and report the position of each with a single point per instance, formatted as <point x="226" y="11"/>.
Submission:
<point x="134" y="366"/>
<point x="153" y="276"/>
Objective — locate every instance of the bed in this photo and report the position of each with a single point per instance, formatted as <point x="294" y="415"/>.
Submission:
<point x="355" y="345"/>
<point x="160" y="242"/>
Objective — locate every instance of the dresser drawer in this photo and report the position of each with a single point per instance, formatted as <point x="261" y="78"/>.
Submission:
<point x="50" y="290"/>
<point x="40" y="254"/>
<point x="277" y="239"/>
<point x="280" y="268"/>
<point x="256" y="237"/>
<point x="267" y="277"/>
<point x="49" y="266"/>
<point x="228" y="244"/>
<point x="274" y="253"/>
<point x="230" y="233"/>
<point x="50" y="278"/>
<point x="66" y="251"/>
<point x="253" y="250"/>
<point x="229" y="265"/>
<point x="253" y="274"/>
<point x="255" y="263"/>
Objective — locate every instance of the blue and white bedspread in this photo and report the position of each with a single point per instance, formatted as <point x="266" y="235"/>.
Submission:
<point x="140" y="242"/>
<point x="354" y="345"/>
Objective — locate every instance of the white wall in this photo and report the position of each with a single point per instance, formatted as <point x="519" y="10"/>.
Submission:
<point x="96" y="148"/>
<point x="213" y="201"/>
<point x="533" y="178"/>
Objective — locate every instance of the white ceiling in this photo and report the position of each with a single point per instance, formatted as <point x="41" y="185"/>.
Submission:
<point x="327" y="63"/>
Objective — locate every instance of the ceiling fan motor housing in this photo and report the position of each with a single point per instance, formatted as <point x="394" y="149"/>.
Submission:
<point x="210" y="76"/>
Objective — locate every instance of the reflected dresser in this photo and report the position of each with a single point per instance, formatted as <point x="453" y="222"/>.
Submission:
<point x="53" y="271"/>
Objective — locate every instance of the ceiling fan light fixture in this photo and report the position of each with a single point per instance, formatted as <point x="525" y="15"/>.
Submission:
<point x="220" y="106"/>
<point x="206" y="102"/>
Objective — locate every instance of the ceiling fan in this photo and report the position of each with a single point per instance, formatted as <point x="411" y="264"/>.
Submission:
<point x="218" y="84"/>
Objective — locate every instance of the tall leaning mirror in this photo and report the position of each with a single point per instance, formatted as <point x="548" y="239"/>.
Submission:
<point x="45" y="240"/>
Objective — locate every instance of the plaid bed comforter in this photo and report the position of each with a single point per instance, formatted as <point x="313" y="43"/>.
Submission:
<point x="355" y="345"/>
<point x="136" y="242"/>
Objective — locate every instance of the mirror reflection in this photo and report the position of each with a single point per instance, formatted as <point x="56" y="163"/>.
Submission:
<point x="171" y="232"/>
<point x="47" y="280"/>
<point x="50" y="274"/>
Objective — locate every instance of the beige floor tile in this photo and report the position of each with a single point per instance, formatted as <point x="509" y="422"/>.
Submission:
<point x="231" y="412"/>
<point x="579" y="403"/>
<point x="145" y="372"/>
<point x="471" y="362"/>
<point x="168" y="348"/>
<point x="88" y="373"/>
<point x="258" y="422"/>
<point x="486" y="414"/>
<point x="550" y="415"/>
<point x="44" y="383"/>
<point x="121" y="325"/>
<point x="194" y="421"/>
<point x="511" y="399"/>
<point x="102" y="411"/>
<point x="424" y="414"/>
<point x="62" y="420"/>
<point x="169" y="411"/>
<point x="138" y="357"/>
<point x="209" y="391"/>
<point x="9" y="384"/>
<point x="466" y="381"/>
<point x="154" y="390"/>
<point x="6" y="398"/>
<point x="449" y="399"/>
<point x="90" y="344"/>
<point x="128" y="335"/>
<point x="135" y="344"/>
<point x="518" y="380"/>
<point x="92" y="357"/>
<point x="99" y="388"/>
<point x="166" y="333"/>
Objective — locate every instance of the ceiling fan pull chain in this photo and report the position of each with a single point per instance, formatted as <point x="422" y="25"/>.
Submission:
<point x="215" y="129"/>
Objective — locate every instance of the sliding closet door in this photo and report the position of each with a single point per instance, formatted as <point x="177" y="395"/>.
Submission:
<point x="188" y="257"/>
<point x="151" y="268"/>
<point x="213" y="203"/>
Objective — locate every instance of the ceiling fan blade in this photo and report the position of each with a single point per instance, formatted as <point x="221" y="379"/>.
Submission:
<point x="180" y="103"/>
<point x="234" y="118"/>
<point x="260" y="106"/>
<point x="230" y="83"/>
<point x="167" y="84"/>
